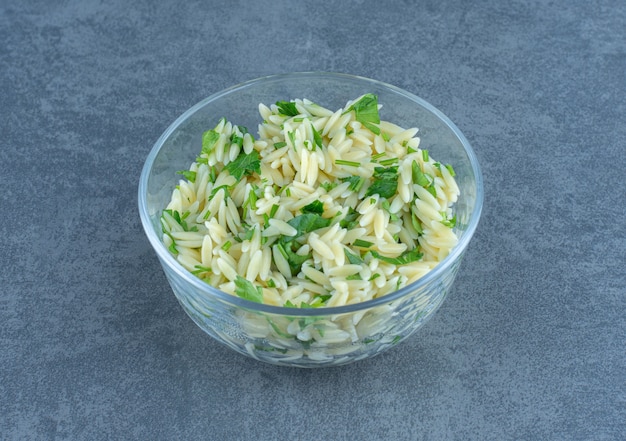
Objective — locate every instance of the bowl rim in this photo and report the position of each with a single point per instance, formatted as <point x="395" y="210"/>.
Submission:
<point x="166" y="258"/>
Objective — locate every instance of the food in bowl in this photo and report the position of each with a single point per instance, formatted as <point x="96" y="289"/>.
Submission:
<point x="324" y="208"/>
<point x="306" y="332"/>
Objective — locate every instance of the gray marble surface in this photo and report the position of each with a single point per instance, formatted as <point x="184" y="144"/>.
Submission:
<point x="529" y="345"/>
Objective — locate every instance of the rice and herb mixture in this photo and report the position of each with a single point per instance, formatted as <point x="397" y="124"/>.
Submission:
<point x="325" y="208"/>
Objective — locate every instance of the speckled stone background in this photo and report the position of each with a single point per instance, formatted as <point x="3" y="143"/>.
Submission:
<point x="530" y="344"/>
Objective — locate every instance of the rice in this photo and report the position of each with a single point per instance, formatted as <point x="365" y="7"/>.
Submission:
<point x="324" y="209"/>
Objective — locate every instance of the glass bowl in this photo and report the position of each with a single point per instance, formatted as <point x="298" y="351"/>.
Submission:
<point x="291" y="336"/>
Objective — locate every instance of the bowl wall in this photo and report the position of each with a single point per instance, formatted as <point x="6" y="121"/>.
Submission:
<point x="327" y="336"/>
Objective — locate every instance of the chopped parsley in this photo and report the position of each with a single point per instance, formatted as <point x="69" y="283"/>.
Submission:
<point x="188" y="174"/>
<point x="307" y="222"/>
<point x="419" y="177"/>
<point x="199" y="269"/>
<point x="328" y="186"/>
<point x="451" y="170"/>
<point x="350" y="220"/>
<point x="353" y="258"/>
<point x="362" y="243"/>
<point x="317" y="138"/>
<point x="216" y="189"/>
<point x="387" y="207"/>
<point x="407" y="257"/>
<point x="180" y="219"/>
<point x="315" y="207"/>
<point x="449" y="222"/>
<point x="385" y="182"/>
<point x="388" y="162"/>
<point x="209" y="139"/>
<point x="348" y="163"/>
<point x="366" y="112"/>
<point x="246" y="290"/>
<point x="287" y="108"/>
<point x="245" y="164"/>
<point x="356" y="182"/>
<point x="288" y="248"/>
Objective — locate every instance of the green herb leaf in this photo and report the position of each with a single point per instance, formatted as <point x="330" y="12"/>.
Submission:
<point x="451" y="170"/>
<point x="280" y="144"/>
<point x="290" y="304"/>
<point x="209" y="139"/>
<point x="328" y="186"/>
<point x="277" y="329"/>
<point x="199" y="269"/>
<point x="416" y="223"/>
<point x="292" y="138"/>
<point x="188" y="174"/>
<point x="315" y="207"/>
<point x="246" y="290"/>
<point x="385" y="182"/>
<point x="317" y="137"/>
<point x="387" y="207"/>
<point x="366" y="112"/>
<point x="353" y="258"/>
<point x="404" y="258"/>
<point x="181" y="219"/>
<point x="307" y="222"/>
<point x="244" y="165"/>
<point x="287" y="108"/>
<point x="363" y="243"/>
<point x="451" y="223"/>
<point x="348" y="163"/>
<point x="419" y="177"/>
<point x="288" y="249"/>
<point x="388" y="162"/>
<point x="431" y="189"/>
<point x="349" y="221"/>
<point x="356" y="182"/>
<point x="216" y="189"/>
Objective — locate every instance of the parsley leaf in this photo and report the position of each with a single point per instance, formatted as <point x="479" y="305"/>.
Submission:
<point x="244" y="165"/>
<point x="307" y="222"/>
<point x="317" y="138"/>
<point x="315" y="207"/>
<point x="451" y="223"/>
<point x="180" y="219"/>
<point x="188" y="174"/>
<point x="287" y="108"/>
<point x="451" y="170"/>
<point x="246" y="290"/>
<point x="209" y="139"/>
<point x="362" y="243"/>
<point x="356" y="182"/>
<point x="328" y="186"/>
<point x="404" y="258"/>
<point x="353" y="258"/>
<point x="366" y="111"/>
<point x="385" y="182"/>
<point x="288" y="248"/>
<point x="349" y="221"/>
<point x="419" y="177"/>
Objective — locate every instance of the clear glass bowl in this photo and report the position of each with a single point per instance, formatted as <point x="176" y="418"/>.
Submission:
<point x="289" y="336"/>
